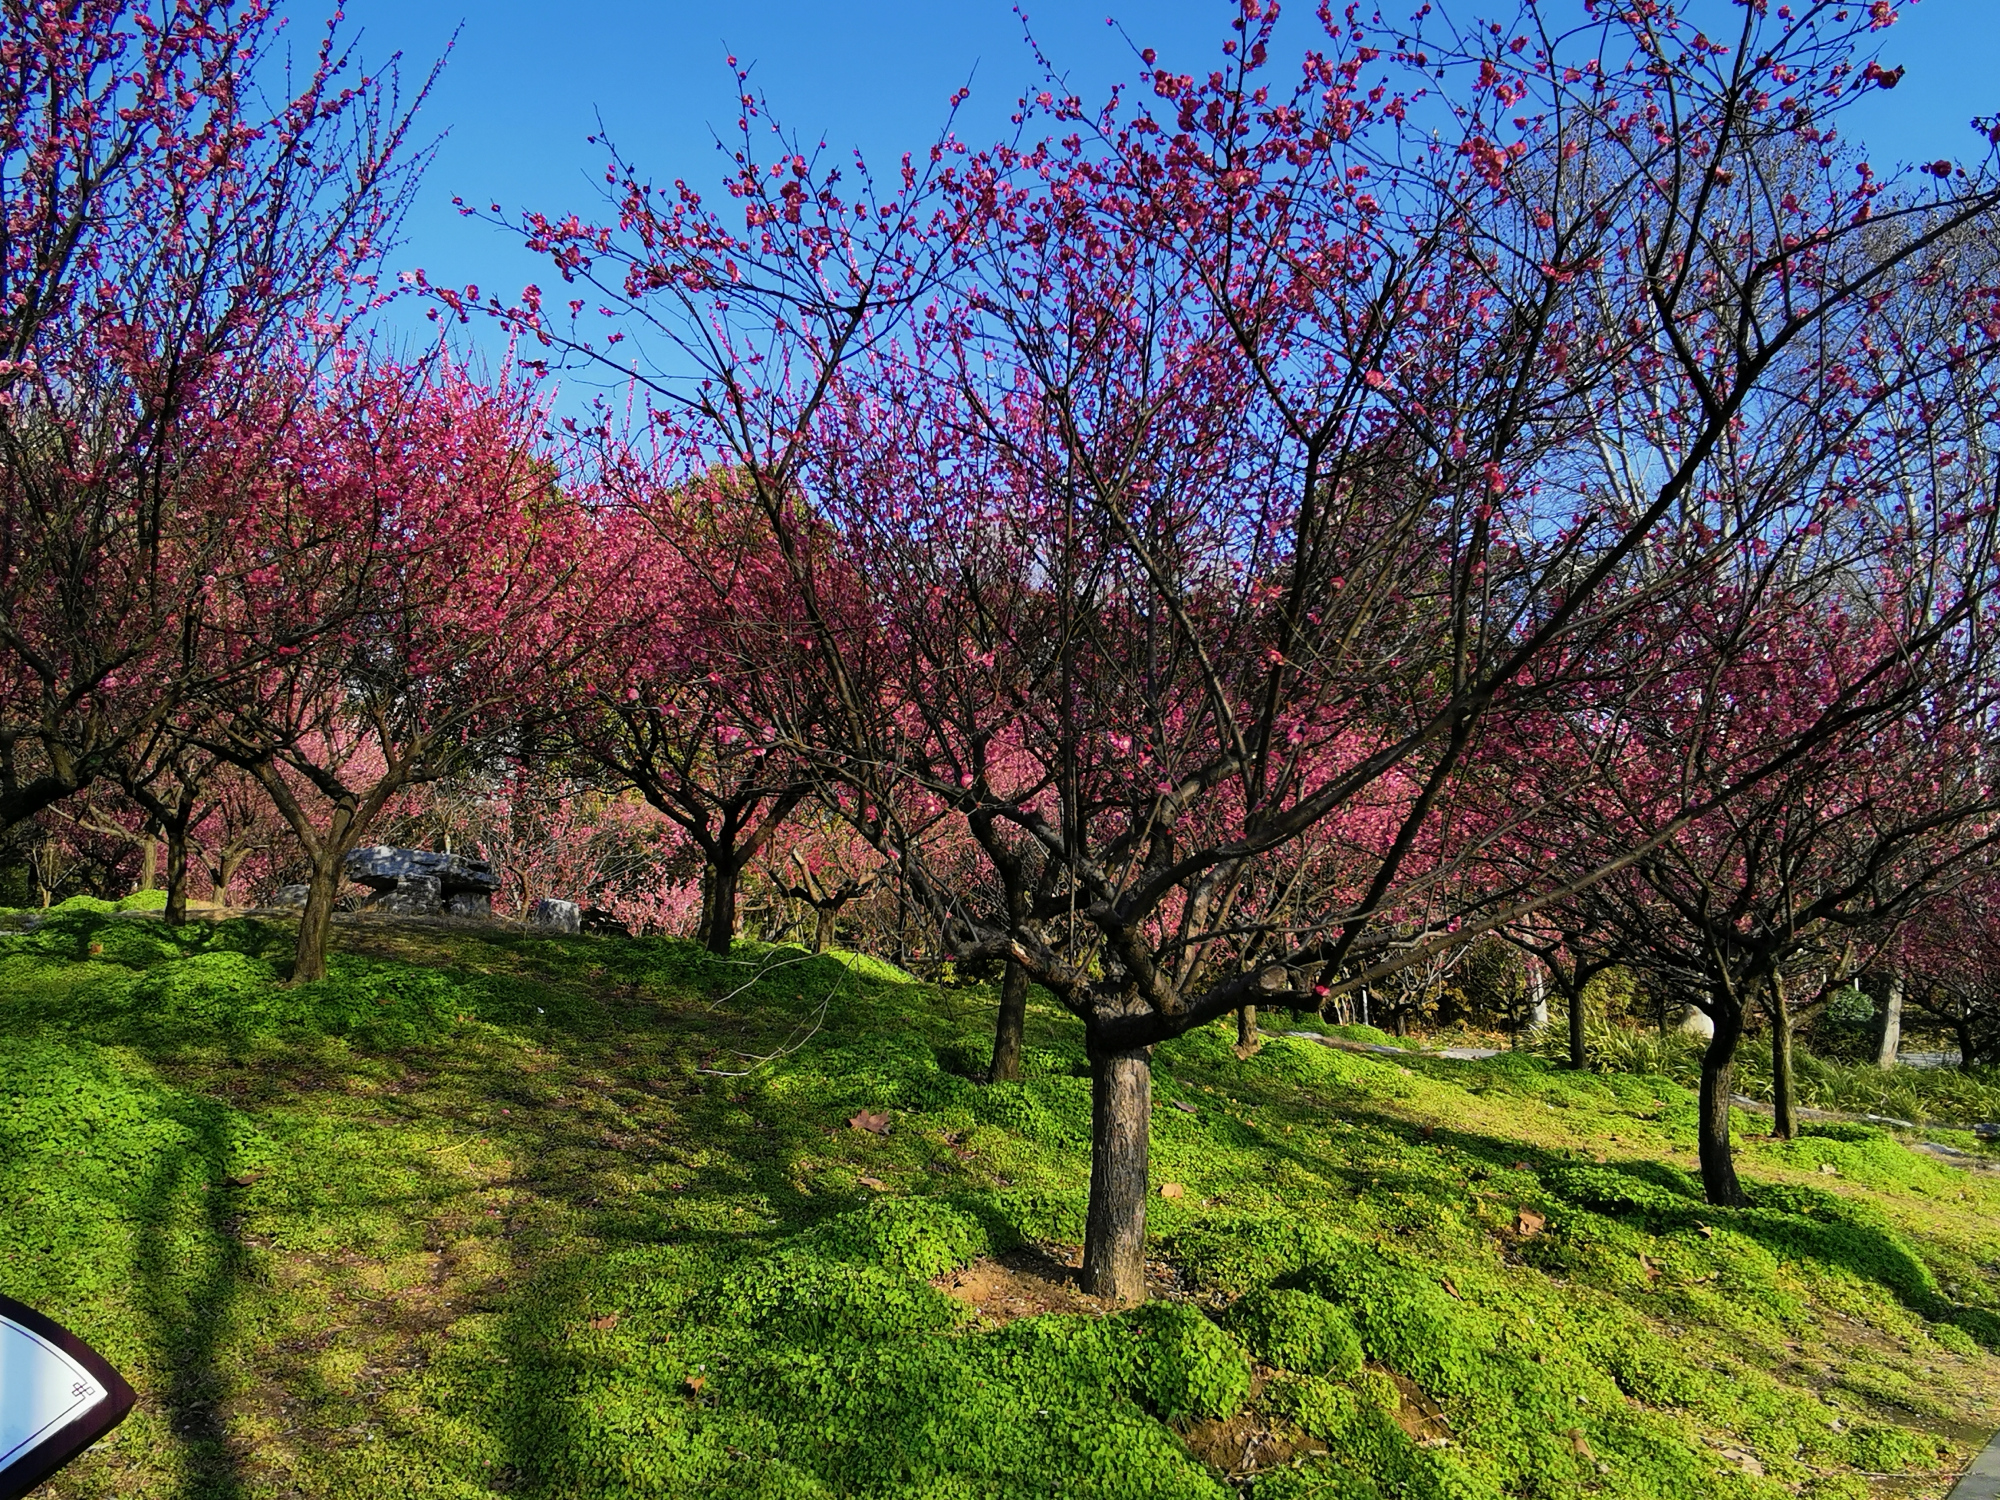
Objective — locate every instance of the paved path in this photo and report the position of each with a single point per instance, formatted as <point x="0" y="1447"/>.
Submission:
<point x="1982" y="1480"/>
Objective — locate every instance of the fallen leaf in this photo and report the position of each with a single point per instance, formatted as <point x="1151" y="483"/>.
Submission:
<point x="1520" y="1166"/>
<point x="605" y="1323"/>
<point x="1529" y="1223"/>
<point x="869" y="1120"/>
<point x="694" y="1383"/>
<point x="1706" y="1232"/>
<point x="245" y="1180"/>
<point x="1646" y="1264"/>
<point x="1446" y="1283"/>
<point x="1172" y="1190"/>
<point x="1829" y="1169"/>
<point x="1186" y="1109"/>
<point x="873" y="1182"/>
<point x="1579" y="1443"/>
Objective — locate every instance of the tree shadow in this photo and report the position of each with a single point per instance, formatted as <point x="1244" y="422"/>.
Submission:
<point x="188" y="1270"/>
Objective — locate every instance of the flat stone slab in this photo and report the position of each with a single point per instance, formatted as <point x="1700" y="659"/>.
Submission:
<point x="1982" y="1480"/>
<point x="381" y="866"/>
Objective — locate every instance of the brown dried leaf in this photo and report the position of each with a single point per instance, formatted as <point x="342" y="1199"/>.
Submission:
<point x="1579" y="1443"/>
<point x="1528" y="1223"/>
<point x="873" y="1182"/>
<point x="1706" y="1232"/>
<point x="245" y="1180"/>
<point x="1447" y="1284"/>
<point x="1520" y="1166"/>
<point x="869" y="1120"/>
<point x="1172" y="1190"/>
<point x="693" y="1384"/>
<point x="606" y="1323"/>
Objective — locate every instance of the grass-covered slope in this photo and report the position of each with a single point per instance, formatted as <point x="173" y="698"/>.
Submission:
<point x="528" y="1216"/>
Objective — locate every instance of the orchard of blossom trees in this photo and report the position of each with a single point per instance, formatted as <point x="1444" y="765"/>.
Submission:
<point x="1422" y="484"/>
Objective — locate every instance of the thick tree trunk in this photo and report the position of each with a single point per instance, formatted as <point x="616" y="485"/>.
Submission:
<point x="721" y="908"/>
<point x="824" y="920"/>
<point x="1538" y="997"/>
<point x="1247" y="1039"/>
<point x="1579" y="1053"/>
<point x="316" y="921"/>
<point x="177" y="876"/>
<point x="1114" y="1239"/>
<point x="149" y="863"/>
<point x="1784" y="1109"/>
<point x="1006" y="1066"/>
<point x="1892" y="1023"/>
<point x="1718" y="1080"/>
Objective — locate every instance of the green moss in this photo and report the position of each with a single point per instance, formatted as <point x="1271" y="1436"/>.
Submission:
<point x="1177" y="1363"/>
<point x="1296" y="1331"/>
<point x="514" y="1214"/>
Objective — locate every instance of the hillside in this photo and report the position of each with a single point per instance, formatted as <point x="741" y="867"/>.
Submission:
<point x="485" y="1213"/>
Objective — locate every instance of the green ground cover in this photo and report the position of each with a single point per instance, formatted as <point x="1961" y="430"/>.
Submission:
<point x="498" y="1214"/>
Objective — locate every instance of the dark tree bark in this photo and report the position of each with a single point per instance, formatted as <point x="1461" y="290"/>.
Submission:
<point x="1114" y="1241"/>
<point x="177" y="875"/>
<point x="1718" y="1079"/>
<point x="1007" y="1031"/>
<point x="719" y="909"/>
<point x="1784" y="1108"/>
<point x="1247" y="1040"/>
<point x="316" y="921"/>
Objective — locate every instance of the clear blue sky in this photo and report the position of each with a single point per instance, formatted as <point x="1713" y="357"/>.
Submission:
<point x="529" y="79"/>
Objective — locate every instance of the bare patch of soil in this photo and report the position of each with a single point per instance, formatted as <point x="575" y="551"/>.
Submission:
<point x="1417" y="1414"/>
<point x="1031" y="1280"/>
<point x="1248" y="1443"/>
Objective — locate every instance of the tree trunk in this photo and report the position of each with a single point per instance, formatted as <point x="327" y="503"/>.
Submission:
<point x="1006" y="1066"/>
<point x="1579" y="1053"/>
<point x="1538" y="998"/>
<point x="1247" y="1039"/>
<point x="316" y="921"/>
<point x="1892" y="1023"/>
<point x="226" y="867"/>
<point x="1784" y="1110"/>
<point x="1114" y="1238"/>
<point x="1718" y="1080"/>
<point x="177" y="875"/>
<point x="824" y="920"/>
<point x="721" y="909"/>
<point x="149" y="863"/>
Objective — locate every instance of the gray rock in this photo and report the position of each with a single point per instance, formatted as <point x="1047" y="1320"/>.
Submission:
<point x="380" y="866"/>
<point x="289" y="895"/>
<point x="558" y="916"/>
<point x="474" y="904"/>
<point x="410" y="896"/>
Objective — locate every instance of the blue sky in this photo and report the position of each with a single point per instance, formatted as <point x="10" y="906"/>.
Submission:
<point x="528" y="80"/>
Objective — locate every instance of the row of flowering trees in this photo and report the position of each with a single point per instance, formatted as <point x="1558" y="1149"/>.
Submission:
<point x="1226" y="547"/>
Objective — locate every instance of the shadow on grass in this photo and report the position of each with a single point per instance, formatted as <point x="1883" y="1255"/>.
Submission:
<point x="188" y="1270"/>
